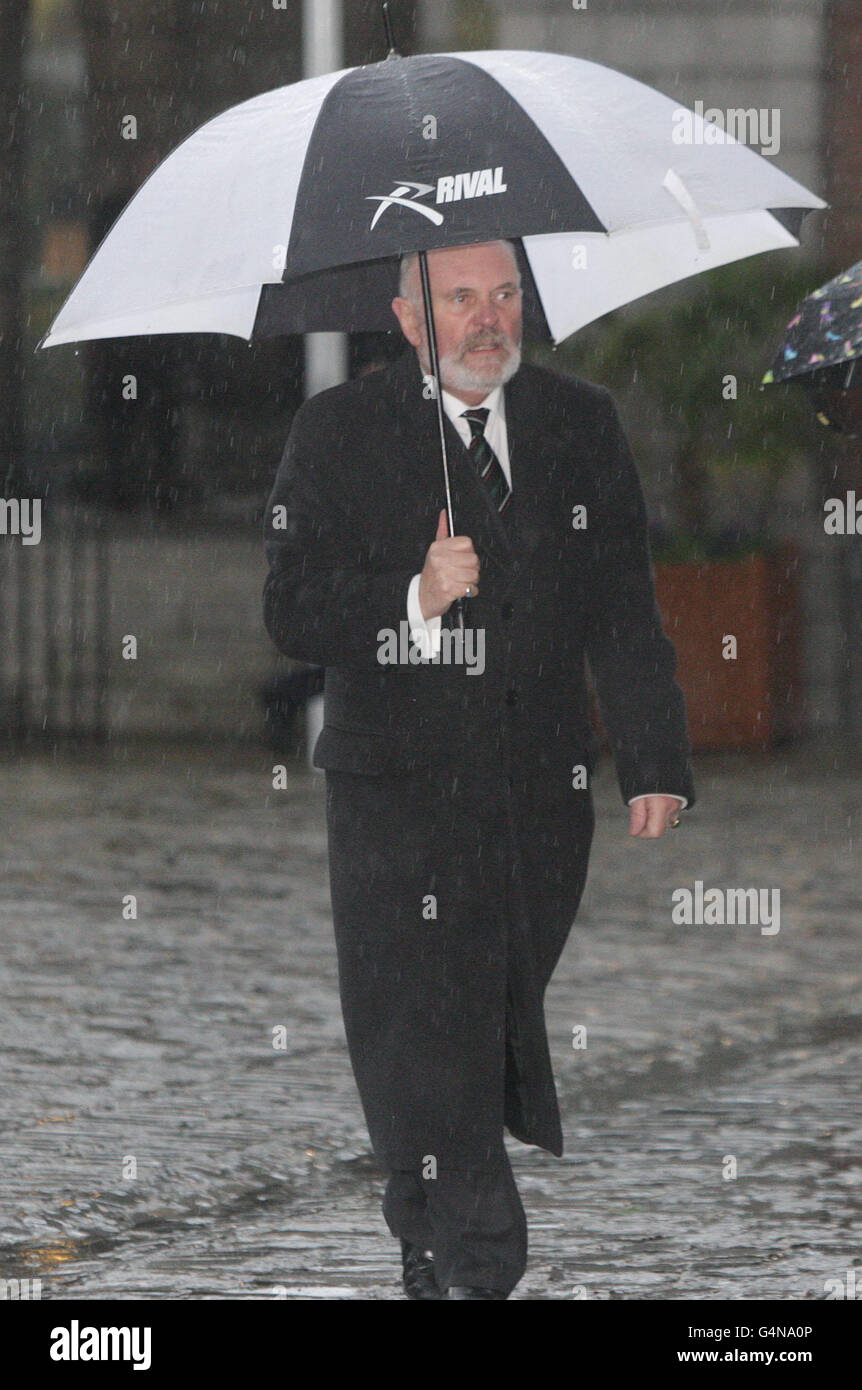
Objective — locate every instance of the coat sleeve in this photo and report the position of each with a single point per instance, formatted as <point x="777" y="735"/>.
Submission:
<point x="632" y="661"/>
<point x="325" y="599"/>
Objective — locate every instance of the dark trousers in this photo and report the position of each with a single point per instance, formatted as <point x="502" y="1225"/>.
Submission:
<point x="472" y="1221"/>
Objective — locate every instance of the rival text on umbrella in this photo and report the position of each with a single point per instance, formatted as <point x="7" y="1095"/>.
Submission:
<point x="451" y="188"/>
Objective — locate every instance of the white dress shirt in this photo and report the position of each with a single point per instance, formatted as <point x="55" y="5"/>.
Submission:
<point x="425" y="632"/>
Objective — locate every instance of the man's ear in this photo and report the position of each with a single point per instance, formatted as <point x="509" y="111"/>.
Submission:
<point x="406" y="315"/>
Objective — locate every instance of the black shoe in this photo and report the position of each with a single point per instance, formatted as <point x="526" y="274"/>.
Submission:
<point x="466" y="1291"/>
<point x="418" y="1272"/>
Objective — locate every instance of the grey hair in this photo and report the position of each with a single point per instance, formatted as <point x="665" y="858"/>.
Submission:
<point x="412" y="257"/>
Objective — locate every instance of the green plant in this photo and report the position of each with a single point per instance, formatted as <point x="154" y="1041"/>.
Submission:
<point x="671" y="356"/>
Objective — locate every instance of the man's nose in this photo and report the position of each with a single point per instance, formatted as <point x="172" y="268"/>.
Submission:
<point x="488" y="313"/>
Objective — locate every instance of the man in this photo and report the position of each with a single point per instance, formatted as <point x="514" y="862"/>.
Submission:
<point x="459" y="810"/>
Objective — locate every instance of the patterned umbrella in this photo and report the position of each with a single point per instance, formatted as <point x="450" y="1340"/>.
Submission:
<point x="821" y="350"/>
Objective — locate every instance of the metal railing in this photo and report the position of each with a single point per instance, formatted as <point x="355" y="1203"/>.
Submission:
<point x="54" y="625"/>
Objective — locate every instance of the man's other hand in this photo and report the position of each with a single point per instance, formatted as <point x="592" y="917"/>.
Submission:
<point x="451" y="567"/>
<point x="649" y="816"/>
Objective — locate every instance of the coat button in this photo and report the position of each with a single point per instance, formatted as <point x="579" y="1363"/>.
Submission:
<point x="511" y="696"/>
<point x="507" y="610"/>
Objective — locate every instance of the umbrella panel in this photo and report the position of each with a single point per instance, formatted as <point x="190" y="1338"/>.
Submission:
<point x="836" y="393"/>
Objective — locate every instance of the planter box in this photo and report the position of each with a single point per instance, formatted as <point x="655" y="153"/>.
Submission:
<point x="754" y="701"/>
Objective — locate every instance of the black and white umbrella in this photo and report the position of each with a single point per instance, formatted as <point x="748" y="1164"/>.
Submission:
<point x="289" y="212"/>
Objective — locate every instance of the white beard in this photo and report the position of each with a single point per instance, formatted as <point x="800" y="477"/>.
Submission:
<point x="456" y="375"/>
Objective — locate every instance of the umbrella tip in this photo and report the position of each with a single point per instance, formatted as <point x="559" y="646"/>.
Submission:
<point x="390" y="38"/>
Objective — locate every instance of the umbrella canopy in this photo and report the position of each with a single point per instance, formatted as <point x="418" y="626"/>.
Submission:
<point x="825" y="331"/>
<point x="821" y="351"/>
<point x="288" y="213"/>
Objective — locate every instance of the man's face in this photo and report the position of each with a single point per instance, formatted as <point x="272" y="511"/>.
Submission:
<point x="477" y="315"/>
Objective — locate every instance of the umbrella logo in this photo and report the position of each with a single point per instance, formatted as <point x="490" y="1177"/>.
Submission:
<point x="451" y="188"/>
<point x="398" y="196"/>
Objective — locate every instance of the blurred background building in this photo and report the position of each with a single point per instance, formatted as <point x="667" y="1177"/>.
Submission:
<point x="152" y="500"/>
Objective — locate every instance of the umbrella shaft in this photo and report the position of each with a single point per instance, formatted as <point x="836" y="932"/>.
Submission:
<point x="438" y="397"/>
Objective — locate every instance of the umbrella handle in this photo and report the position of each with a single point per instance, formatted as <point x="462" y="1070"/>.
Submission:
<point x="438" y="397"/>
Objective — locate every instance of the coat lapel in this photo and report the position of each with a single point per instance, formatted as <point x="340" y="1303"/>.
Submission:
<point x="534" y="457"/>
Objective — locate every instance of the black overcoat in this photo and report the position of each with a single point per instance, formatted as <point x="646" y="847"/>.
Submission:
<point x="459" y="825"/>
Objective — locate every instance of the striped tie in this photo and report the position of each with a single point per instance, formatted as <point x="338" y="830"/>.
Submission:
<point x="487" y="464"/>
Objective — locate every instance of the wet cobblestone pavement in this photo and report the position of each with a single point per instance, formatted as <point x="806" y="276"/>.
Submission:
<point x="152" y="1039"/>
